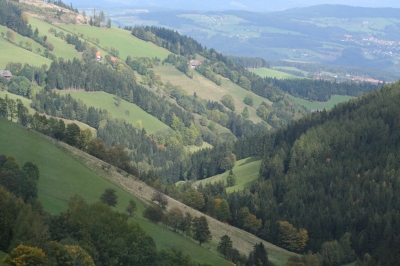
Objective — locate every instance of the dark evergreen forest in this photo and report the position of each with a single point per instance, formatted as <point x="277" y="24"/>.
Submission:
<point x="333" y="174"/>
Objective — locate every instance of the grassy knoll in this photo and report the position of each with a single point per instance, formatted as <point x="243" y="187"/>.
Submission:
<point x="208" y="90"/>
<point x="61" y="48"/>
<point x="120" y="39"/>
<point x="107" y="101"/>
<point x="335" y="99"/>
<point x="245" y="170"/>
<point x="63" y="175"/>
<point x="14" y="53"/>
<point x="272" y="73"/>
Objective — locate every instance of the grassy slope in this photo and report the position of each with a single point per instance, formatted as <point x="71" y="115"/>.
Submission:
<point x="245" y="170"/>
<point x="24" y="100"/>
<point x="194" y="148"/>
<point x="63" y="175"/>
<point x="13" y="53"/>
<point x="208" y="90"/>
<point x="106" y="101"/>
<point x="27" y="103"/>
<point x="272" y="73"/>
<point x="335" y="99"/>
<point x="61" y="48"/>
<point x="19" y="37"/>
<point x="120" y="39"/>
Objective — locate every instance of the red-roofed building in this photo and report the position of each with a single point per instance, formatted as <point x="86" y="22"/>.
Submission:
<point x="98" y="56"/>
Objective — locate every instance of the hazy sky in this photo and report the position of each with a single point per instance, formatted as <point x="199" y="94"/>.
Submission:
<point x="251" y="5"/>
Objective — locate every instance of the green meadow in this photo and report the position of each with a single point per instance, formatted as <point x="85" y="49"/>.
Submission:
<point x="245" y="170"/>
<point x="272" y="73"/>
<point x="206" y="89"/>
<point x="194" y="148"/>
<point x="335" y="99"/>
<point x="120" y="39"/>
<point x="13" y="53"/>
<point x="61" y="48"/>
<point x="131" y="113"/>
<point x="62" y="175"/>
<point x="19" y="38"/>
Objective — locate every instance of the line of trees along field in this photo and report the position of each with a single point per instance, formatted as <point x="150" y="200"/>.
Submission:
<point x="15" y="19"/>
<point x="328" y="179"/>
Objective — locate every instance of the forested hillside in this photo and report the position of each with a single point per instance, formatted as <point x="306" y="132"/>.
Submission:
<point x="327" y="182"/>
<point x="329" y="179"/>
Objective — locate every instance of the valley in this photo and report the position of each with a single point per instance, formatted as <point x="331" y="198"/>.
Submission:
<point x="143" y="146"/>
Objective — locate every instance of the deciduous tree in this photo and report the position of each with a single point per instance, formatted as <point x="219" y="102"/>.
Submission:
<point x="154" y="213"/>
<point x="25" y="255"/>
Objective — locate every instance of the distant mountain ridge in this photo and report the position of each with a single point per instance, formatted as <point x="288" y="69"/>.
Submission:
<point x="208" y="5"/>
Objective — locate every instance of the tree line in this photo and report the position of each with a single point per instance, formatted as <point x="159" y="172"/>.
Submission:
<point x="62" y="4"/>
<point x="320" y="90"/>
<point x="197" y="229"/>
<point x="249" y="62"/>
